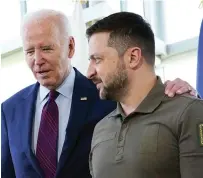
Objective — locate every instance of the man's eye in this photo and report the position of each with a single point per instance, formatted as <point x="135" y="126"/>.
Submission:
<point x="30" y="52"/>
<point x="97" y="60"/>
<point x="46" y="49"/>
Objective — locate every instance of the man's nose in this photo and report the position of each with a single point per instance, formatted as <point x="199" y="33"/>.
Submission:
<point x="91" y="72"/>
<point x="38" y="58"/>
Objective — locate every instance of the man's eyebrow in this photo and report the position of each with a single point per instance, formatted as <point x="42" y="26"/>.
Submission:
<point x="47" y="46"/>
<point x="42" y="46"/>
<point x="29" y="49"/>
<point x="94" y="56"/>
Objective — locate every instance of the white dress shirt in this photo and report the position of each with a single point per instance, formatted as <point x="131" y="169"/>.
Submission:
<point x="63" y="102"/>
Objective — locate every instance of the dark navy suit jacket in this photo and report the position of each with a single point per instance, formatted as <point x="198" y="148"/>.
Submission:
<point x="17" y="114"/>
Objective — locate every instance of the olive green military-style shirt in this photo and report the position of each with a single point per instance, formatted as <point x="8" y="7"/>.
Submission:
<point x="162" y="138"/>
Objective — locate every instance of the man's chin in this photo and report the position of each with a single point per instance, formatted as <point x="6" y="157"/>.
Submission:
<point x="48" y="84"/>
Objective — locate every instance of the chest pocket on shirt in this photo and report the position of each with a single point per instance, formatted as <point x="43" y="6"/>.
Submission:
<point x="149" y="139"/>
<point x="102" y="138"/>
<point x="98" y="140"/>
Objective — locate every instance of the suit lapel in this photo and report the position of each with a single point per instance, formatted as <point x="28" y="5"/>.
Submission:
<point x="26" y="112"/>
<point x="78" y="113"/>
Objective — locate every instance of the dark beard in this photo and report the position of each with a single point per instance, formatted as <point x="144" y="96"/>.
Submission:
<point x="118" y="85"/>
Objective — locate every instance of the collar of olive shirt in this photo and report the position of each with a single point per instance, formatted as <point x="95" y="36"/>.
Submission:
<point x="150" y="102"/>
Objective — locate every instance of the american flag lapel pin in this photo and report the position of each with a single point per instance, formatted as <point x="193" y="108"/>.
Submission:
<point x="83" y="99"/>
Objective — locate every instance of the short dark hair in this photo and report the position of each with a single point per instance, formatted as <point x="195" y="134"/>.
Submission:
<point x="127" y="30"/>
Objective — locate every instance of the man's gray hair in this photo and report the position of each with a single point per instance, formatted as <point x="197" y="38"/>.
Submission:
<point x="56" y="17"/>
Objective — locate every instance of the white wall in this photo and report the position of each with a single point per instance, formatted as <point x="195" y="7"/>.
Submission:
<point x="15" y="74"/>
<point x="135" y="6"/>
<point x="10" y="25"/>
<point x="182" y="19"/>
<point x="182" y="66"/>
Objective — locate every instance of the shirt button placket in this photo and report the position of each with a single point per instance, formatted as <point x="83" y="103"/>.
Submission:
<point x="121" y="142"/>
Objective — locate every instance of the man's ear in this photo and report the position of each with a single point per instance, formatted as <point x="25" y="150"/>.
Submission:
<point x="135" y="58"/>
<point x="71" y="47"/>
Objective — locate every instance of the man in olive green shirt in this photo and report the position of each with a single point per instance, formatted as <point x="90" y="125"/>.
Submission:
<point x="149" y="135"/>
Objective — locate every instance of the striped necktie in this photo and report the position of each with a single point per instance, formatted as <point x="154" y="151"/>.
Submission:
<point x="47" y="142"/>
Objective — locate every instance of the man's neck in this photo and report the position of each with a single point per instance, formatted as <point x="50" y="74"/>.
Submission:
<point x="137" y="92"/>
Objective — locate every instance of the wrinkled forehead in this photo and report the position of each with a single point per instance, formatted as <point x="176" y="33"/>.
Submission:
<point x="40" y="26"/>
<point x="37" y="30"/>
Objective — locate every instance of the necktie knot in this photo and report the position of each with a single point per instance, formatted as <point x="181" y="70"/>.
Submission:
<point x="53" y="94"/>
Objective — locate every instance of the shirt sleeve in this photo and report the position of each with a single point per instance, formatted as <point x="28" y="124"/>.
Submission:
<point x="191" y="141"/>
<point x="90" y="165"/>
<point x="90" y="155"/>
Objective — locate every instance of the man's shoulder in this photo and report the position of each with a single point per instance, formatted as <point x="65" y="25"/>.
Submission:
<point x="105" y="121"/>
<point x="180" y="101"/>
<point x="193" y="106"/>
<point x="83" y="83"/>
<point x="17" y="97"/>
<point x="82" y="80"/>
<point x="102" y="108"/>
<point x="182" y="105"/>
<point x="99" y="108"/>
